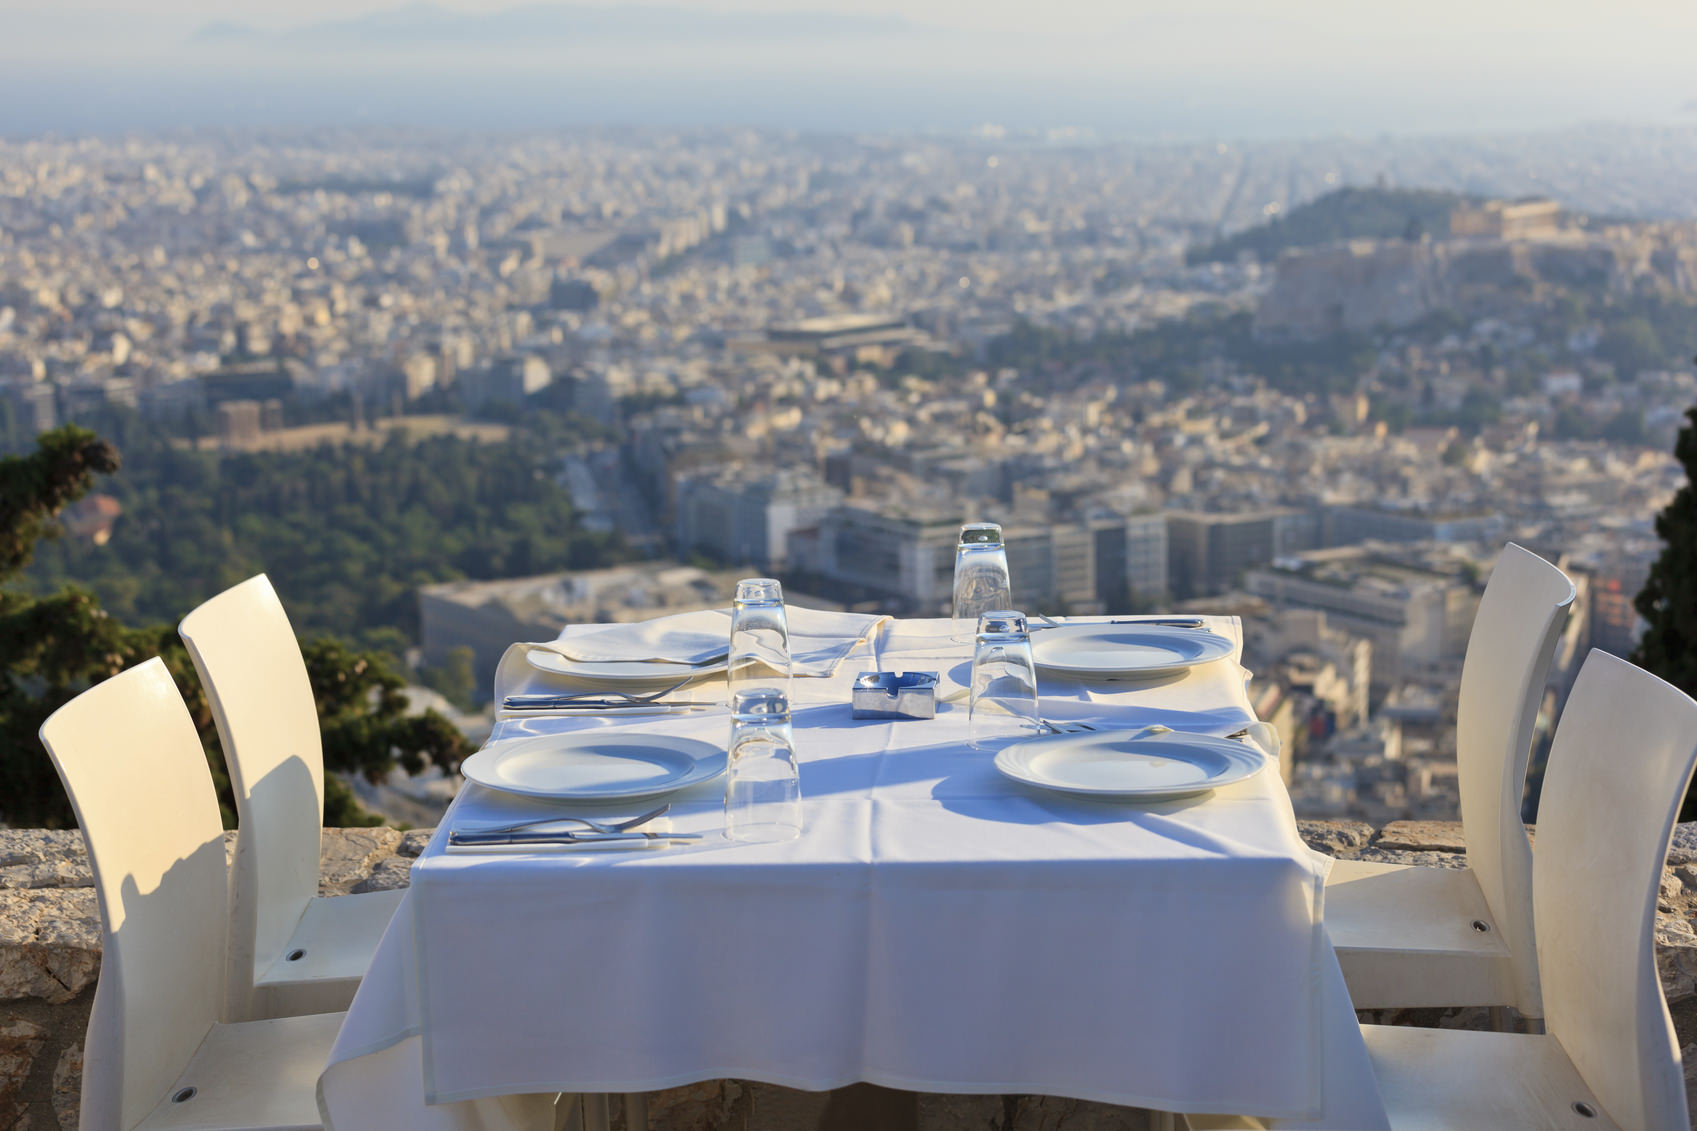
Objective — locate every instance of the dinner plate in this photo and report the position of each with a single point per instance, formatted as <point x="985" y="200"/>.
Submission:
<point x="1110" y="650"/>
<point x="631" y="672"/>
<point x="595" y="766"/>
<point x="1127" y="767"/>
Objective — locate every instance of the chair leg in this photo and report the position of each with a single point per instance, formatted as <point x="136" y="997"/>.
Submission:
<point x="568" y="1112"/>
<point x="1162" y="1121"/>
<point x="596" y="1116"/>
<point x="1502" y="1020"/>
<point x="636" y="1111"/>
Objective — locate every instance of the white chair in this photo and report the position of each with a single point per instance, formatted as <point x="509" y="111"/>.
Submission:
<point x="1621" y="762"/>
<point x="291" y="952"/>
<point x="158" y="1054"/>
<point x="1417" y="936"/>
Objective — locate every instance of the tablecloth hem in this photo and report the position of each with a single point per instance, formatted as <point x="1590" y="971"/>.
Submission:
<point x="365" y="1048"/>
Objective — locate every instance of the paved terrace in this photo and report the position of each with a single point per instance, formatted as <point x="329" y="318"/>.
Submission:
<point x="50" y="959"/>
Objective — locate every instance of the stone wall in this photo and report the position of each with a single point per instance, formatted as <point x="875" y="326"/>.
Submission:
<point x="50" y="958"/>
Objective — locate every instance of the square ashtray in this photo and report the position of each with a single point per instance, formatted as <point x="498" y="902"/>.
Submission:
<point x="895" y="695"/>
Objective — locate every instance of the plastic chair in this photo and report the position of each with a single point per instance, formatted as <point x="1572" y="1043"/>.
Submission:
<point x="158" y="1053"/>
<point x="1418" y="936"/>
<point x="291" y="952"/>
<point x="1621" y="762"/>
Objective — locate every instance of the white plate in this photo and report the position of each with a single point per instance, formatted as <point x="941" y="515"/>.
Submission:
<point x="1105" y="764"/>
<point x="595" y="766"/>
<point x="1105" y="650"/>
<point x="631" y="672"/>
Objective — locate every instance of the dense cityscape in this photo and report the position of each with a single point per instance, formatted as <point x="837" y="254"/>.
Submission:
<point x="1317" y="385"/>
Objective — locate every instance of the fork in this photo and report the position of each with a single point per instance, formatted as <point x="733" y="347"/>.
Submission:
<point x="571" y="696"/>
<point x="593" y="826"/>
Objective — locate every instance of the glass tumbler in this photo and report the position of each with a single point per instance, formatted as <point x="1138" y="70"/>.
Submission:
<point x="1004" y="680"/>
<point x="981" y="576"/>
<point x="759" y="655"/>
<point x="762" y="784"/>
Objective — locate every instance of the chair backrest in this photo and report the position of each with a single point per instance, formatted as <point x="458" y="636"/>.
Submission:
<point x="256" y="682"/>
<point x="129" y="757"/>
<point x="1619" y="768"/>
<point x="1514" y="636"/>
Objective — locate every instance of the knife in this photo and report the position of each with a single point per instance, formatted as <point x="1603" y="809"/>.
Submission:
<point x="1162" y="622"/>
<point x="589" y="705"/>
<point x="457" y="837"/>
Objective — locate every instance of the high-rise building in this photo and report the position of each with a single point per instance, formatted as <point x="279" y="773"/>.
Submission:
<point x="1417" y="616"/>
<point x="746" y="517"/>
<point x="1208" y="553"/>
<point x="1351" y="526"/>
<point x="906" y="558"/>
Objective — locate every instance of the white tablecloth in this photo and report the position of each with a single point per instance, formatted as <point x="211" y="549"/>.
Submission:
<point x="936" y="928"/>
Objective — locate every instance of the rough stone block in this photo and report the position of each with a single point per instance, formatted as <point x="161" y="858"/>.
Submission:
<point x="1335" y="838"/>
<point x="1422" y="836"/>
<point x="40" y="846"/>
<point x="1402" y="856"/>
<point x="1676" y="957"/>
<point x="772" y="1108"/>
<point x="49" y="943"/>
<point x="1052" y="1113"/>
<point x="67" y="1088"/>
<point x="709" y="1106"/>
<point x="413" y="842"/>
<point x="347" y="856"/>
<point x="962" y="1113"/>
<point x="395" y="872"/>
<point x="1668" y="895"/>
<point x="1683" y="850"/>
<point x="20" y="1043"/>
<point x="48" y="874"/>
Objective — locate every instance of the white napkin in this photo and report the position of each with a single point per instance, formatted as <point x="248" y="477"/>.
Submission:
<point x="818" y="640"/>
<point x="698" y="638"/>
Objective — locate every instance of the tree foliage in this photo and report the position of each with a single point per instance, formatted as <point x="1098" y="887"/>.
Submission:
<point x="1177" y="352"/>
<point x="1346" y="214"/>
<point x="55" y="645"/>
<point x="347" y="533"/>
<point x="1668" y="601"/>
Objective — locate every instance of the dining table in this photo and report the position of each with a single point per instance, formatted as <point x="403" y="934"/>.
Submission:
<point x="936" y="927"/>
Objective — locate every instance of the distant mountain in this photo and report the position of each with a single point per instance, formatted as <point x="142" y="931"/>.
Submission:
<point x="1346" y="214"/>
<point x="430" y="25"/>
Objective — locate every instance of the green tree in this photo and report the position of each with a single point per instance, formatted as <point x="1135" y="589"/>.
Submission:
<point x="1632" y="345"/>
<point x="455" y="679"/>
<point x="1668" y="601"/>
<point x="54" y="646"/>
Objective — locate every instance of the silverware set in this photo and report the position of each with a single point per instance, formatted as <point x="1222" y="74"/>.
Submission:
<point x="460" y="839"/>
<point x="600" y="699"/>
<point x="1159" y="622"/>
<point x="530" y="832"/>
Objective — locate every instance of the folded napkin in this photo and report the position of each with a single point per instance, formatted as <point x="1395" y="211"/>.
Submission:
<point x="818" y="643"/>
<point x="703" y="637"/>
<point x="696" y="638"/>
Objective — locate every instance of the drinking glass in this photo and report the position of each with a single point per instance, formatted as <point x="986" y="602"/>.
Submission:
<point x="981" y="576"/>
<point x="760" y="638"/>
<point x="762" y="784"/>
<point x="1004" y="680"/>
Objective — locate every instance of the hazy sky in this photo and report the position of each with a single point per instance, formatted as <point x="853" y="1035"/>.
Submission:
<point x="1644" y="31"/>
<point x="1264" y="66"/>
